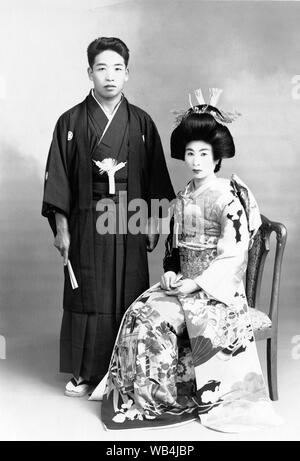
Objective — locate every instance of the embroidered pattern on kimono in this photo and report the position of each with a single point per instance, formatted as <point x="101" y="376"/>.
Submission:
<point x="187" y="357"/>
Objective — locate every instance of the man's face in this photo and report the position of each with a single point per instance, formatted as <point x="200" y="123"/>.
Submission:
<point x="108" y="74"/>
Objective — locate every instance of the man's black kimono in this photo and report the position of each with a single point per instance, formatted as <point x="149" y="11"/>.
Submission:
<point x="111" y="269"/>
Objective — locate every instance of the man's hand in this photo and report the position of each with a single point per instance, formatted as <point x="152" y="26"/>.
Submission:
<point x="62" y="238"/>
<point x="152" y="240"/>
<point x="184" y="287"/>
<point x="152" y="233"/>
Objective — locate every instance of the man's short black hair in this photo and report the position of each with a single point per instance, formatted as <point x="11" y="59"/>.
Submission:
<point x="107" y="43"/>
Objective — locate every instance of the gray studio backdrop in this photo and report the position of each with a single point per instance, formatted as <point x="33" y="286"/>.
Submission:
<point x="250" y="49"/>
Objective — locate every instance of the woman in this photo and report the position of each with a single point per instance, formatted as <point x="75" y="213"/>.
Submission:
<point x="186" y="348"/>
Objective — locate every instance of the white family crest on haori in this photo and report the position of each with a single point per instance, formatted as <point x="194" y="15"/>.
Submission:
<point x="70" y="135"/>
<point x="110" y="166"/>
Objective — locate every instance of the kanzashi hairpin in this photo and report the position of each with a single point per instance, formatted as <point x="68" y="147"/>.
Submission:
<point x="202" y="107"/>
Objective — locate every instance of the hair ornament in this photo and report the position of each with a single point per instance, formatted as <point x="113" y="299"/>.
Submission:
<point x="219" y="115"/>
<point x="214" y="95"/>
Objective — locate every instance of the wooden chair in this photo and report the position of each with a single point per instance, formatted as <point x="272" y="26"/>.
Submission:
<point x="266" y="327"/>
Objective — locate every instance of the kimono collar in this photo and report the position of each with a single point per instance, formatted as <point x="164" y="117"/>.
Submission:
<point x="108" y="115"/>
<point x="242" y="192"/>
<point x="190" y="192"/>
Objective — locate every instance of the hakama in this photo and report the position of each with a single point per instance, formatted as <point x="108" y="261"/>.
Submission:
<point x="111" y="268"/>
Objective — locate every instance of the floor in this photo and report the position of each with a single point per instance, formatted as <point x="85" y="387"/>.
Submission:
<point x="32" y="403"/>
<point x="33" y="407"/>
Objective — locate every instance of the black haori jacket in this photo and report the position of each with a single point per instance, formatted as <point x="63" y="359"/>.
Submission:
<point x="68" y="187"/>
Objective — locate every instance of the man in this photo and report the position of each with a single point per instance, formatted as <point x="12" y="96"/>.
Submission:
<point x="111" y="269"/>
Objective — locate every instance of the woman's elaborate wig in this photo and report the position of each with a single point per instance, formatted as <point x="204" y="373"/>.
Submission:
<point x="204" y="122"/>
<point x="202" y="127"/>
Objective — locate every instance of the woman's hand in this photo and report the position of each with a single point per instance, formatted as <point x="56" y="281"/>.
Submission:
<point x="168" y="280"/>
<point x="184" y="287"/>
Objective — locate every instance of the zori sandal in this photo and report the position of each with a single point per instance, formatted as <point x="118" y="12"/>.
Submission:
<point x="78" y="388"/>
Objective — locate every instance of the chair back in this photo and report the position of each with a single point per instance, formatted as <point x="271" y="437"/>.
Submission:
<point x="256" y="262"/>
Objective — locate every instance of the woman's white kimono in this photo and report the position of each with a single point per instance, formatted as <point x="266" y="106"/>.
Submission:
<point x="194" y="356"/>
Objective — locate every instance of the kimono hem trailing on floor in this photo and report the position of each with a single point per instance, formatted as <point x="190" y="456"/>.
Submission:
<point x="181" y="358"/>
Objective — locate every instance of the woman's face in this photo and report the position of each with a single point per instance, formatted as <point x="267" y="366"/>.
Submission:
<point x="199" y="159"/>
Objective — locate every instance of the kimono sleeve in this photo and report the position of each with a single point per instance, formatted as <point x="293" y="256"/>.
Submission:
<point x="223" y="276"/>
<point x="160" y="186"/>
<point x="57" y="195"/>
<point x="171" y="261"/>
